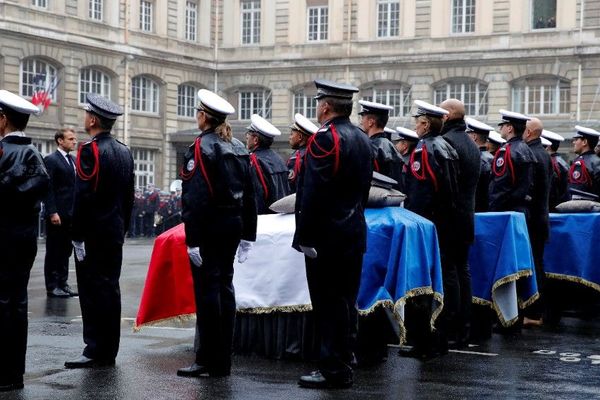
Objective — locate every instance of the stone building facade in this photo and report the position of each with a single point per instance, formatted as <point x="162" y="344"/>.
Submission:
<point x="540" y="57"/>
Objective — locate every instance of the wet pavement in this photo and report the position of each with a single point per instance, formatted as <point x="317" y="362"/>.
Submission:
<point x="538" y="364"/>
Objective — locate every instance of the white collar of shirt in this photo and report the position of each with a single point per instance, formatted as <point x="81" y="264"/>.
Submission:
<point x="61" y="151"/>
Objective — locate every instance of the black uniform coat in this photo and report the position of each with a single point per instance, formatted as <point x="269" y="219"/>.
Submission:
<point x="542" y="174"/>
<point x="270" y="178"/>
<point x="559" y="182"/>
<point x="294" y="166"/>
<point x="387" y="160"/>
<point x="512" y="177"/>
<point x="218" y="209"/>
<point x="432" y="182"/>
<point x="485" y="174"/>
<point x="332" y="195"/>
<point x="104" y="192"/>
<point x="469" y="160"/>
<point x="584" y="173"/>
<point x="23" y="183"/>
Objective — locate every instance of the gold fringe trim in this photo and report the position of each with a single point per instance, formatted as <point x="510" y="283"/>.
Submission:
<point x="575" y="279"/>
<point x="521" y="304"/>
<point x="268" y="310"/>
<point x="178" y="319"/>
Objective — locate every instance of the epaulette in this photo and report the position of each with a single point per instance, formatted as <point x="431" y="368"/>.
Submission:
<point x="323" y="129"/>
<point x="420" y="149"/>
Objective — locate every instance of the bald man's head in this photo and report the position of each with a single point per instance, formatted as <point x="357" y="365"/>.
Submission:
<point x="535" y="126"/>
<point x="455" y="108"/>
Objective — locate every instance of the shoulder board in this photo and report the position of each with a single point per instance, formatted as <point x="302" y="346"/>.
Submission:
<point x="118" y="141"/>
<point x="86" y="143"/>
<point x="323" y="129"/>
<point x="420" y="149"/>
<point x="502" y="149"/>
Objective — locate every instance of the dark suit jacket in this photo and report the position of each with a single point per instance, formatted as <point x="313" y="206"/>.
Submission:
<point x="62" y="185"/>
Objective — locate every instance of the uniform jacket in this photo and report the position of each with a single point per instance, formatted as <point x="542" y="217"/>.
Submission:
<point x="469" y="161"/>
<point x="23" y="184"/>
<point x="334" y="188"/>
<point x="62" y="185"/>
<point x="559" y="182"/>
<point x="104" y="190"/>
<point x="432" y="182"/>
<point x="270" y="178"/>
<point x="216" y="185"/>
<point x="294" y="166"/>
<point x="485" y="174"/>
<point x="542" y="174"/>
<point x="584" y="173"/>
<point x="512" y="176"/>
<point x="387" y="160"/>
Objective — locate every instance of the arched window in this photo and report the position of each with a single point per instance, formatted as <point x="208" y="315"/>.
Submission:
<point x="541" y="95"/>
<point x="186" y="100"/>
<point x="144" y="95"/>
<point x="38" y="75"/>
<point x="393" y="94"/>
<point x="471" y="92"/>
<point x="254" y="101"/>
<point x="93" y="81"/>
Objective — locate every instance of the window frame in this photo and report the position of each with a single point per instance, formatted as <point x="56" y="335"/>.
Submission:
<point x="146" y="16"/>
<point x="189" y="99"/>
<point x="151" y="96"/>
<point x="481" y="105"/>
<point x="320" y="30"/>
<point x="143" y="156"/>
<point x="95" y="8"/>
<point x="105" y="84"/>
<point x="51" y="74"/>
<point x="560" y="95"/>
<point x="40" y="4"/>
<point x="250" y="35"/>
<point x="532" y="16"/>
<point x="374" y="93"/>
<point x="388" y="21"/>
<point x="308" y="108"/>
<point x="191" y="23"/>
<point x="462" y="27"/>
<point x="265" y="109"/>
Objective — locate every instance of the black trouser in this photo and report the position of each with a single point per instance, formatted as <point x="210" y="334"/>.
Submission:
<point x="215" y="296"/>
<point x="17" y="259"/>
<point x="446" y="320"/>
<point x="58" y="252"/>
<point x="100" y="298"/>
<point x="460" y="254"/>
<point x="538" y="243"/>
<point x="333" y="282"/>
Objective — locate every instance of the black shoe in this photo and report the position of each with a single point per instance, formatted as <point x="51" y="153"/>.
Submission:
<point x="86" y="362"/>
<point x="59" y="293"/>
<point x="194" y="370"/>
<point x="7" y="387"/>
<point x="422" y="354"/>
<point x="316" y="380"/>
<point x="71" y="292"/>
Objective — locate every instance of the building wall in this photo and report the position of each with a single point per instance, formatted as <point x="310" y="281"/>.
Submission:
<point x="502" y="49"/>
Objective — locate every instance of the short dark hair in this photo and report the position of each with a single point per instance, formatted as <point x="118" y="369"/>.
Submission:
<point x="592" y="141"/>
<point x="435" y="123"/>
<point x="103" y="123"/>
<point x="17" y="120"/>
<point x="554" y="146"/>
<point x="518" y="127"/>
<point x="340" y="106"/>
<point x="60" y="134"/>
<point x="264" y="141"/>
<point x="381" y="120"/>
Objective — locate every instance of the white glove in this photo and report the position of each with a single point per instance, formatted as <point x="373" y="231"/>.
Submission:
<point x="243" y="249"/>
<point x="195" y="258"/>
<point x="79" y="248"/>
<point x="309" y="252"/>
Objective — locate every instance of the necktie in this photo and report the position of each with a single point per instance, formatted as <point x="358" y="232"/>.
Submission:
<point x="70" y="160"/>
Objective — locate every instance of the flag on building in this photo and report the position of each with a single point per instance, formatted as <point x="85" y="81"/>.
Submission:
<point x="43" y="91"/>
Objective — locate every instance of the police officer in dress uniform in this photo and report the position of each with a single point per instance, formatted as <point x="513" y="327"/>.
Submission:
<point x="386" y="159"/>
<point x="495" y="141"/>
<point x="560" y="170"/>
<point x="331" y="229"/>
<point x="23" y="183"/>
<point x="432" y="190"/>
<point x="219" y="215"/>
<point x="469" y="160"/>
<point x="58" y="208"/>
<point x="584" y="173"/>
<point x="405" y="140"/>
<point x="300" y="131"/>
<point x="104" y="192"/>
<point x="512" y="167"/>
<point x="479" y="132"/>
<point x="269" y="172"/>
<point x="538" y="224"/>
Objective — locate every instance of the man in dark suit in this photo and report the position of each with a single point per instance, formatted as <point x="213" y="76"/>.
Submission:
<point x="331" y="230"/>
<point x="59" y="211"/>
<point x="104" y="190"/>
